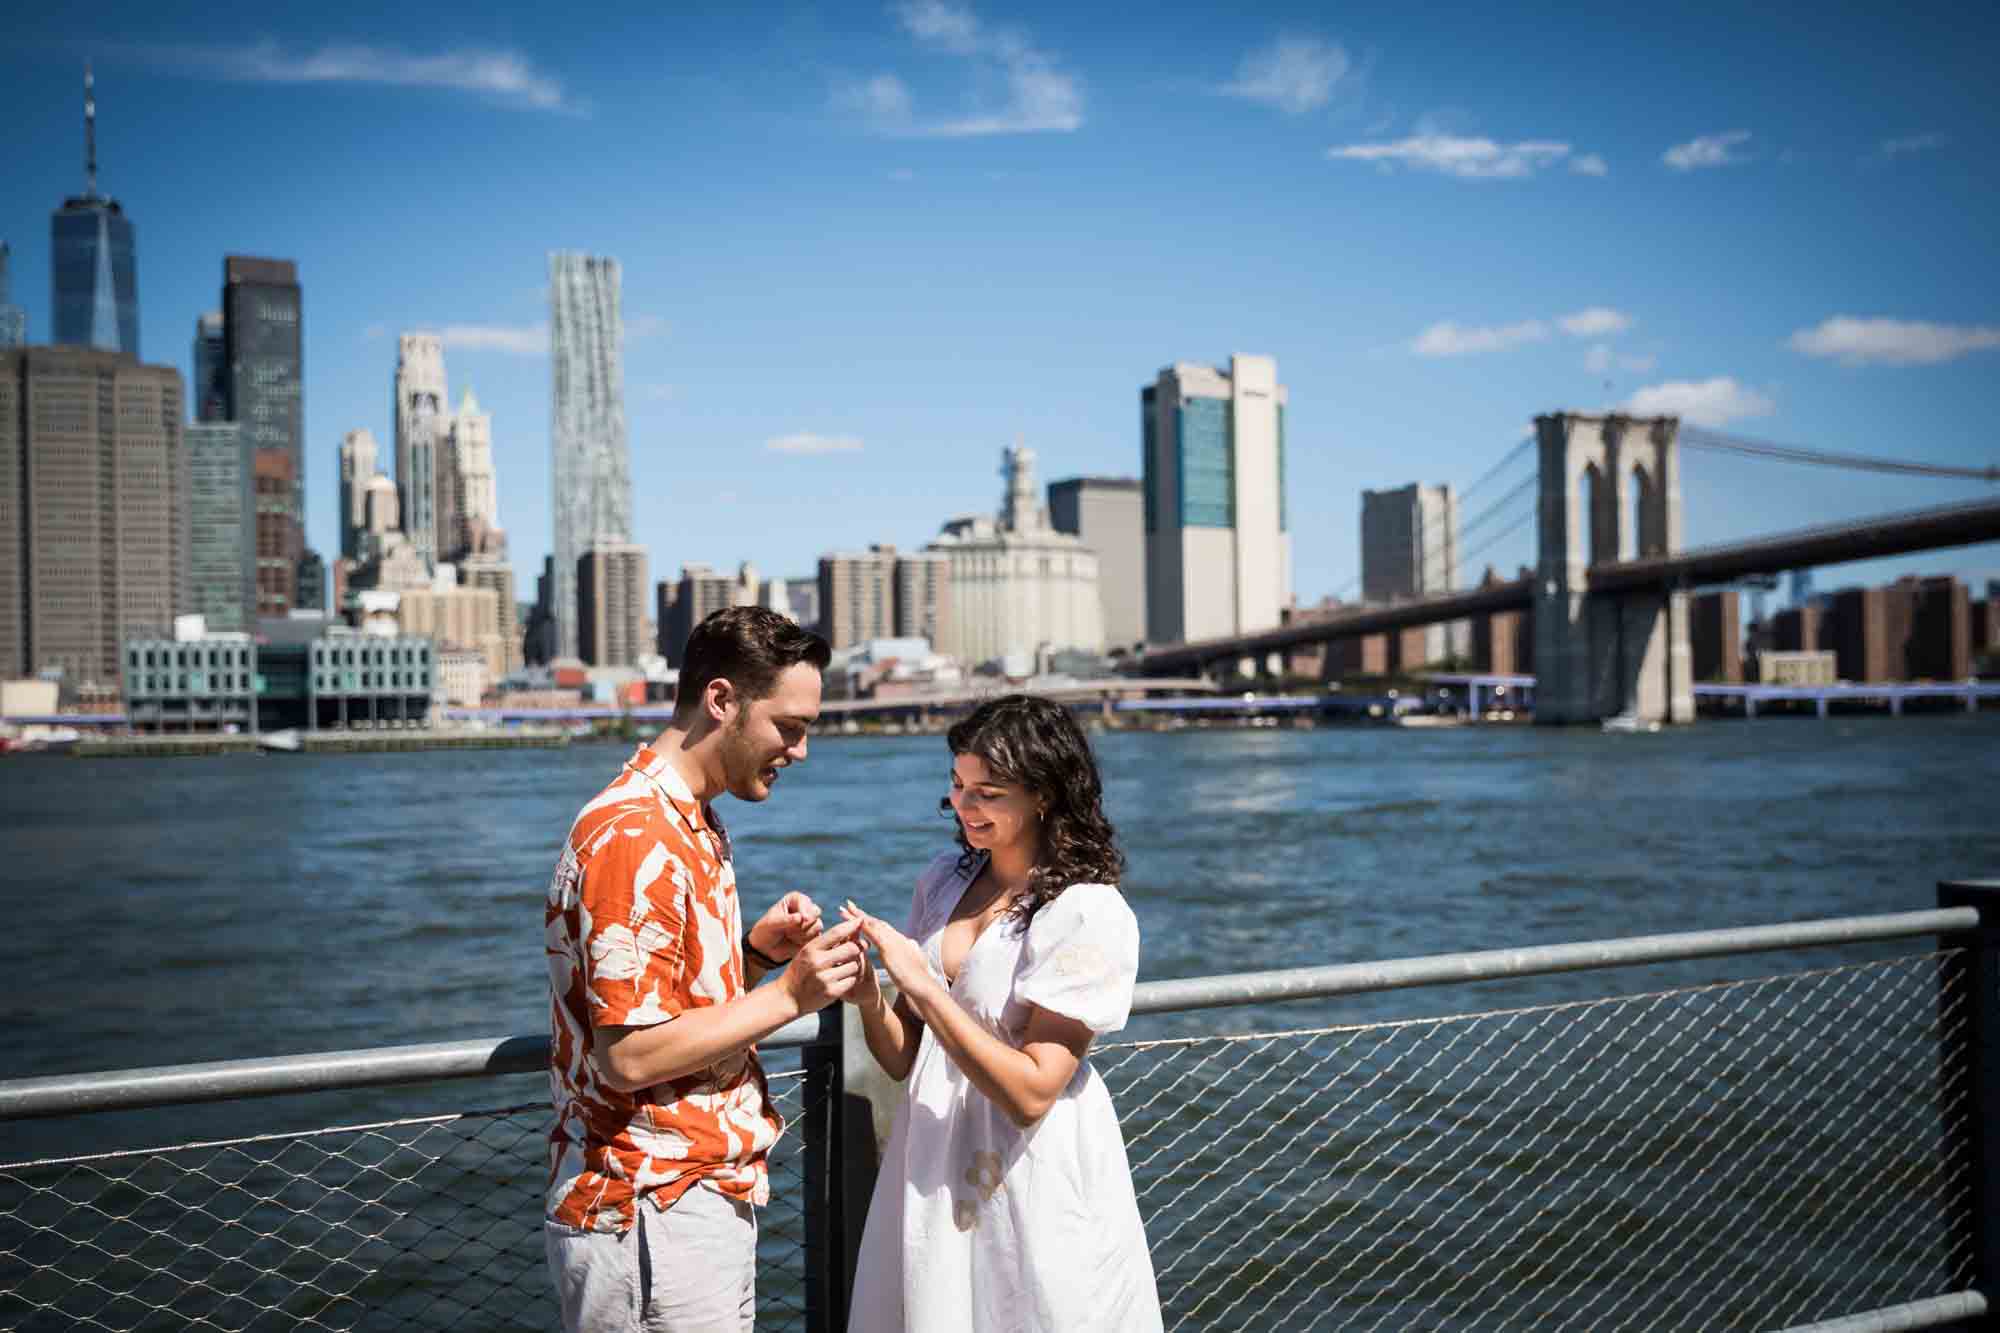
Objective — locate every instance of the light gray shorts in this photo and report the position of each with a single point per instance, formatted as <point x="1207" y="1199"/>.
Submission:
<point x="691" y="1269"/>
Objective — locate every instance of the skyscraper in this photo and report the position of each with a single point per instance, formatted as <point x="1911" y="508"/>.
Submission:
<point x="923" y="597"/>
<point x="702" y="591"/>
<point x="263" y="341"/>
<point x="591" y="469"/>
<point x="538" y="637"/>
<point x="94" y="269"/>
<point x="13" y="319"/>
<point x="357" y="469"/>
<point x="94" y="511"/>
<point x="469" y="495"/>
<point x="1409" y="550"/>
<point x="421" y="403"/>
<point x="208" y="392"/>
<point x="1409" y="543"/>
<point x="857" y="596"/>
<point x="223" y="526"/>
<point x="1108" y="514"/>
<point x="310" y="590"/>
<point x="611" y="604"/>
<point x="1218" y="556"/>
<point x="382" y="517"/>
<point x="496" y="575"/>
<point x="278" y="543"/>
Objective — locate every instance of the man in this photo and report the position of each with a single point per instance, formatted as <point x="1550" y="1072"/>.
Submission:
<point x="662" y="1116"/>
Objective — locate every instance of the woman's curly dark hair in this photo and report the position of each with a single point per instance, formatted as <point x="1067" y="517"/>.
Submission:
<point x="1038" y="745"/>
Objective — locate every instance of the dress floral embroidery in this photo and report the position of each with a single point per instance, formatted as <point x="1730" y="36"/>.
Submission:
<point x="642" y="925"/>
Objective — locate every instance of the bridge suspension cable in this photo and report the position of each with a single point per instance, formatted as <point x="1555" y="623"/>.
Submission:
<point x="1699" y="437"/>
<point x="1436" y="547"/>
<point x="1527" y="443"/>
<point x="1496" y="538"/>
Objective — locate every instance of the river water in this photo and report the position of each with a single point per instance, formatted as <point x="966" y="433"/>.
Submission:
<point x="176" y="910"/>
<point x="180" y="910"/>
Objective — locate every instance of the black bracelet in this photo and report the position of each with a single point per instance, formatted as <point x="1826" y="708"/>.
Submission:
<point x="750" y="950"/>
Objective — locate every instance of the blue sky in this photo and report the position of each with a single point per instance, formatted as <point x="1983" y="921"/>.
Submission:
<point x="866" y="247"/>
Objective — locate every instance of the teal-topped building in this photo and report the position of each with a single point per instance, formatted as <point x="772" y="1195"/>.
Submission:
<point x="1218" y="555"/>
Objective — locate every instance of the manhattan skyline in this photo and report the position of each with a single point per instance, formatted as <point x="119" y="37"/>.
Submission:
<point x="863" y="250"/>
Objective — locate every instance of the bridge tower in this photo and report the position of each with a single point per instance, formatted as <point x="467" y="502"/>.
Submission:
<point x="1610" y="490"/>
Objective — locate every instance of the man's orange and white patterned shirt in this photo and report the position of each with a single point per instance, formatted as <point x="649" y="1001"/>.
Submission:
<point x="643" y="925"/>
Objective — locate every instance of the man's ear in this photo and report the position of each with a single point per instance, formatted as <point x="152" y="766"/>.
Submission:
<point x="720" y="698"/>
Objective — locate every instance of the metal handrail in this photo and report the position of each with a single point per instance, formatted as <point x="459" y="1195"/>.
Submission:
<point x="1499" y="964"/>
<point x="331" y="1071"/>
<point x="323" y="1071"/>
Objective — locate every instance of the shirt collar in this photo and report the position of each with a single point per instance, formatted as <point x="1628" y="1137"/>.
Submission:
<point x="651" y="765"/>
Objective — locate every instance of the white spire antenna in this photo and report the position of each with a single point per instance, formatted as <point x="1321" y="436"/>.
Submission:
<point x="89" y="132"/>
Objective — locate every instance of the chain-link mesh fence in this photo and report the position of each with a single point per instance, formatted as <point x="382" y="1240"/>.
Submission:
<point x="1750" y="1155"/>
<point x="419" y="1224"/>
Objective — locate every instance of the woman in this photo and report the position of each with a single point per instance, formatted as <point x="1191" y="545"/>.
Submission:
<point x="1004" y="1199"/>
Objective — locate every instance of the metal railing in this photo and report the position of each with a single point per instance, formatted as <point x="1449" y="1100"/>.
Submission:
<point x="1804" y="1150"/>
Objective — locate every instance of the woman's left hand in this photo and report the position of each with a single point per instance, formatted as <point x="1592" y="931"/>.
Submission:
<point x="901" y="958"/>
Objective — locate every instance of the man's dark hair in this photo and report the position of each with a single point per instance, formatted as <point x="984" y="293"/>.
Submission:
<point x="748" y="646"/>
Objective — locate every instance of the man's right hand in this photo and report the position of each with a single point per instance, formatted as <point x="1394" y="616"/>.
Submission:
<point x="826" y="968"/>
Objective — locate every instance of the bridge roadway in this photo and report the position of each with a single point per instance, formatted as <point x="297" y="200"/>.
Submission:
<point x="1072" y="692"/>
<point x="1832" y="543"/>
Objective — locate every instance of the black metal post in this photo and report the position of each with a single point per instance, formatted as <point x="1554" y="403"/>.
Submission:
<point x="1979" y="973"/>
<point x="849" y="1106"/>
<point x="826" y="1275"/>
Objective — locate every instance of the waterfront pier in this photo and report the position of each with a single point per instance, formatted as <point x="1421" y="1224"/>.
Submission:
<point x="1801" y="1141"/>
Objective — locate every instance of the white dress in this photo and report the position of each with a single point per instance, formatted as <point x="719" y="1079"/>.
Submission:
<point x="977" y="1223"/>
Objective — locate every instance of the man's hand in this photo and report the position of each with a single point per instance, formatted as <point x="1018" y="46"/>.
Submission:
<point x="825" y="969"/>
<point x="781" y="932"/>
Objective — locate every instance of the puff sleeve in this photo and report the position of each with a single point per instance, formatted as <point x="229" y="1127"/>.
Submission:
<point x="1081" y="959"/>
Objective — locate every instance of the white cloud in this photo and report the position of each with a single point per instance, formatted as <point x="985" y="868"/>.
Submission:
<point x="805" y="442"/>
<point x="1468" y="159"/>
<point x="1600" y="358"/>
<point x="883" y="101"/>
<point x="1915" y="143"/>
<point x="1710" y="150"/>
<point x="1039" y="96"/>
<point x="500" y="75"/>
<point x="1040" y="100"/>
<point x="1589" y="164"/>
<point x="657" y="393"/>
<point x="1293" y="74"/>
<point x="1596" y="322"/>
<point x="1714" y="402"/>
<point x="1892" y="342"/>
<point x="375" y="331"/>
<point x="519" y="340"/>
<point x="955" y="28"/>
<point x="1448" y="339"/>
